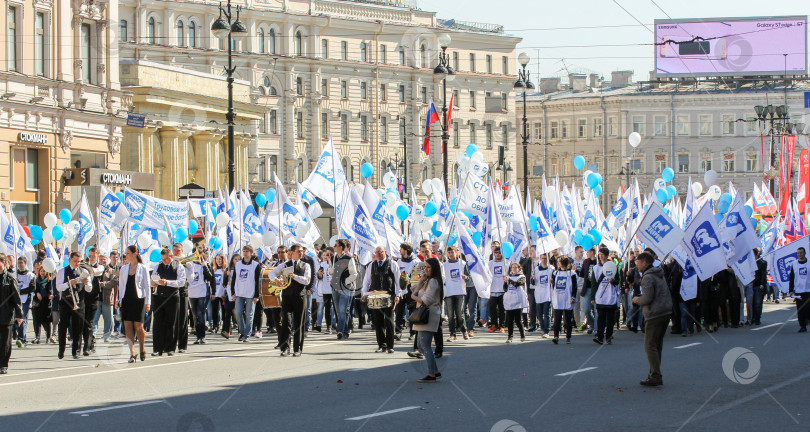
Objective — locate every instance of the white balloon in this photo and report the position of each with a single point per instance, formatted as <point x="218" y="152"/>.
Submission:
<point x="332" y="241"/>
<point x="484" y="170"/>
<point x="301" y="229"/>
<point x="550" y="195"/>
<point x="188" y="247"/>
<point x="427" y="187"/>
<point x="715" y="192"/>
<point x="47" y="235"/>
<point x="75" y="226"/>
<point x="426" y="224"/>
<point x="697" y="189"/>
<point x="51" y="220"/>
<point x="269" y="239"/>
<point x="49" y="265"/>
<point x="659" y="184"/>
<point x="609" y="268"/>
<point x="222" y="220"/>
<point x="461" y="158"/>
<point x="562" y="238"/>
<point x="477" y="157"/>
<point x="144" y="240"/>
<point x="391" y="199"/>
<point x="438" y="185"/>
<point x="710" y="178"/>
<point x="634" y="139"/>
<point x="390" y="180"/>
<point x="256" y="240"/>
<point x="163" y="238"/>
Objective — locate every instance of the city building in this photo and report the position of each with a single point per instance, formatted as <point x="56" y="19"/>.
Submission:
<point x="61" y="106"/>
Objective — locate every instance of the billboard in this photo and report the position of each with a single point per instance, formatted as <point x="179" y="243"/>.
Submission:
<point x="731" y="46"/>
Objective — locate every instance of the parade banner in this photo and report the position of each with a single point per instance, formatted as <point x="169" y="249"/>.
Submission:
<point x="780" y="262"/>
<point x="148" y="211"/>
<point x="112" y="213"/>
<point x="87" y="227"/>
<point x="701" y="241"/>
<point x="658" y="231"/>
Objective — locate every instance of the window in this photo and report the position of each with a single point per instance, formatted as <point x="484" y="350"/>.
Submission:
<point x="660" y="125"/>
<point x="261" y="169"/>
<point x="364" y="90"/>
<point x="751" y="125"/>
<point x="706" y="162"/>
<point x="555" y="163"/>
<point x="299" y="86"/>
<point x="555" y="129"/>
<point x="325" y="87"/>
<point x="505" y="64"/>
<point x="489" y="63"/>
<point x="613" y="126"/>
<point x="488" y="135"/>
<point x="582" y="126"/>
<point x="324" y="48"/>
<point x="597" y="127"/>
<point x="423" y="55"/>
<point x="564" y="129"/>
<point x="505" y="136"/>
<point x="538" y="131"/>
<point x="683" y="163"/>
<point x="401" y="92"/>
<point x="383" y="92"/>
<point x="299" y="124"/>
<point x="383" y="54"/>
<point x="473" y="133"/>
<point x="344" y="91"/>
<point x="344" y="50"/>
<point x="455" y="60"/>
<point x="273" y="123"/>
<point x="706" y="124"/>
<point x="344" y="127"/>
<point x="472" y="99"/>
<point x="122" y="30"/>
<point x="728" y="162"/>
<point x="39" y="44"/>
<point x="683" y="124"/>
<point x="260" y="40"/>
<point x="401" y="52"/>
<point x="424" y="95"/>
<point x="363" y="51"/>
<point x="660" y="163"/>
<point x="384" y="129"/>
<point x="150" y="30"/>
<point x="456" y="98"/>
<point x="638" y="125"/>
<point x="324" y="125"/>
<point x="192" y="34"/>
<point x="636" y="166"/>
<point x="85" y="50"/>
<point x="504" y="101"/>
<point x="456" y="137"/>
<point x="31" y="179"/>
<point x="728" y="124"/>
<point x="181" y="34"/>
<point x="750" y="162"/>
<point x="363" y="128"/>
<point x="472" y="62"/>
<point x="299" y="43"/>
<point x="12" y="39"/>
<point x="402" y="130"/>
<point x="271" y="41"/>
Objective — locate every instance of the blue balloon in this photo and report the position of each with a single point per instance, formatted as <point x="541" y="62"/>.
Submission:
<point x="180" y="235"/>
<point x="662" y="195"/>
<point x="597" y="191"/>
<point x="507" y="249"/>
<point x="672" y="191"/>
<point x="754" y="222"/>
<point x="723" y="206"/>
<point x="35" y="241"/>
<point x="476" y="236"/>
<point x="598" y="178"/>
<point x="57" y="232"/>
<point x="592" y="180"/>
<point x="749" y="211"/>
<point x="36" y="232"/>
<point x="430" y="209"/>
<point x="154" y="256"/>
<point x="452" y="239"/>
<point x="120" y="196"/>
<point x="646" y="207"/>
<point x="403" y="212"/>
<point x="435" y="230"/>
<point x="668" y="174"/>
<point x="588" y="242"/>
<point x="270" y="194"/>
<point x="578" y="235"/>
<point x="726" y="197"/>
<point x="596" y="235"/>
<point x="261" y="200"/>
<point x="193" y="226"/>
<point x="65" y="216"/>
<point x="719" y="217"/>
<point x="533" y="224"/>
<point x="579" y="162"/>
<point x="471" y="149"/>
<point x="367" y="170"/>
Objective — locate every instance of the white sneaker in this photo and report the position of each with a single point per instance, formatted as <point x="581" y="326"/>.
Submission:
<point x="258" y="335"/>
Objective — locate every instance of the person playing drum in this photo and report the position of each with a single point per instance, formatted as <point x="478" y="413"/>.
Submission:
<point x="383" y="275"/>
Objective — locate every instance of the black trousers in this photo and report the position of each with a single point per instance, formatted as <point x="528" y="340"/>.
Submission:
<point x="532" y="310"/>
<point x="496" y="311"/>
<point x="383" y="320"/>
<point x="803" y="309"/>
<point x="227" y="315"/>
<point x="74" y="319"/>
<point x="560" y="315"/>
<point x="399" y="311"/>
<point x="258" y="317"/>
<point x="90" y="308"/>
<point x="293" y="314"/>
<point x="181" y="328"/>
<point x="327" y="310"/>
<point x="5" y="344"/>
<point x="164" y="321"/>
<point x="513" y="319"/>
<point x="605" y="320"/>
<point x="216" y="306"/>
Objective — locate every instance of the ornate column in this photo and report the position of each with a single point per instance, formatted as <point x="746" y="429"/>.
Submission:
<point x="206" y="150"/>
<point x="175" y="162"/>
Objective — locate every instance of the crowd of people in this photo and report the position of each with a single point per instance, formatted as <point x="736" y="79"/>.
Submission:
<point x="414" y="296"/>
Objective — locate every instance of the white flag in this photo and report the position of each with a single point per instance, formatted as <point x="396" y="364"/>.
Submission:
<point x="474" y="197"/>
<point x="479" y="269"/>
<point x="327" y="180"/>
<point x="780" y="262"/>
<point x="87" y="228"/>
<point x="737" y="232"/>
<point x="701" y="241"/>
<point x="658" y="231"/>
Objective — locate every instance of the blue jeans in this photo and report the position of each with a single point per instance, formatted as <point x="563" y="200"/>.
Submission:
<point x="244" y="315"/>
<point x="542" y="311"/>
<point x="425" y="338"/>
<point x="343" y="302"/>
<point x="308" y="319"/>
<point x="687" y="316"/>
<point x="483" y="306"/>
<point x="753" y="303"/>
<point x="198" y="312"/>
<point x="455" y="314"/>
<point x="23" y="328"/>
<point x="587" y="309"/>
<point x="472" y="307"/>
<point x="105" y="311"/>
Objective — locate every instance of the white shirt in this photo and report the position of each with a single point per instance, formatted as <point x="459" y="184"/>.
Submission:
<point x="497" y="270"/>
<point x="196" y="284"/>
<point x="302" y="279"/>
<point x="454" y="283"/>
<point x="62" y="285"/>
<point x="394" y="270"/>
<point x="324" y="285"/>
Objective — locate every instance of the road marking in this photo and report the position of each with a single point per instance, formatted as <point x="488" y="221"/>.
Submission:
<point x="794" y="319"/>
<point x="119" y="406"/>
<point x="767" y="326"/>
<point x="576" y="371"/>
<point x="688" y="345"/>
<point x="357" y="370"/>
<point x="383" y="413"/>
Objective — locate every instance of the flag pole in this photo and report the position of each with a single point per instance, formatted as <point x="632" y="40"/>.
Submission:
<point x="453" y="220"/>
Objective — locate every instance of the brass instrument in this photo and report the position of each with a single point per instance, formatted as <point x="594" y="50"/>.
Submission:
<point x="416" y="274"/>
<point x="193" y="258"/>
<point x="84" y="270"/>
<point x="287" y="272"/>
<point x="270" y="293"/>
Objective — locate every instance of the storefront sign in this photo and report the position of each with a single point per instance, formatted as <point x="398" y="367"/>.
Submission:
<point x="111" y="178"/>
<point x="31" y="137"/>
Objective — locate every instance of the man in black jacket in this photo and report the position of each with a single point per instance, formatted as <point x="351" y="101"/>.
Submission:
<point x="527" y="264"/>
<point x="586" y="294"/>
<point x="758" y="289"/>
<point x="10" y="312"/>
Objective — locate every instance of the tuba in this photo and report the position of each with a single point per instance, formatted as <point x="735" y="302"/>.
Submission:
<point x="416" y="273"/>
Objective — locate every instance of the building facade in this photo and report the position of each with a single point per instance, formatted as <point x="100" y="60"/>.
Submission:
<point x="690" y="127"/>
<point x="360" y="72"/>
<point x="61" y="105"/>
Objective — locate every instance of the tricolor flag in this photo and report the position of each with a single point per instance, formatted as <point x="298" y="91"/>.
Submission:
<point x="432" y="116"/>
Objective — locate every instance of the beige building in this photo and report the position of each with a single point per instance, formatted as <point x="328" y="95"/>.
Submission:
<point x="360" y="72"/>
<point x="60" y="100"/>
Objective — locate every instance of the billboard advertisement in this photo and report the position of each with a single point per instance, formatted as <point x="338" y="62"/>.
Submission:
<point x="731" y="46"/>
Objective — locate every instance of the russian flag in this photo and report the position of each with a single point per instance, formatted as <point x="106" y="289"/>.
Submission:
<point x="432" y="116"/>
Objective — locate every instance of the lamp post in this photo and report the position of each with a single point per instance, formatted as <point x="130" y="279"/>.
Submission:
<point x="523" y="83"/>
<point x="230" y="28"/>
<point x="770" y="113"/>
<point x="626" y="171"/>
<point x="443" y="69"/>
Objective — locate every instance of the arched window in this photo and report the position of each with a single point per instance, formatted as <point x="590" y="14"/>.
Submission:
<point x="423" y="55"/>
<point x="348" y="168"/>
<point x="383" y="166"/>
<point x="260" y="46"/>
<point x="299" y="43"/>
<point x="261" y="90"/>
<point x="266" y="81"/>
<point x="150" y="30"/>
<point x="181" y="34"/>
<point x="273" y="91"/>
<point x="271" y="40"/>
<point x="363" y="52"/>
<point x="299" y="171"/>
<point x="192" y="34"/>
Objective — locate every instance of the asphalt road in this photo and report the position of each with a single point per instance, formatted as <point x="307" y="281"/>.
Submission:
<point x="752" y="378"/>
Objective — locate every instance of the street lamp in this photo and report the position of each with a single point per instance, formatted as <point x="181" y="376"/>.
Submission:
<point x="769" y="113"/>
<point x="523" y="83"/>
<point x="443" y="70"/>
<point x="230" y="28"/>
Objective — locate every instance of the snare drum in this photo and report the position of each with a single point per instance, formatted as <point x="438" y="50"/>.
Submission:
<point x="380" y="301"/>
<point x="269" y="294"/>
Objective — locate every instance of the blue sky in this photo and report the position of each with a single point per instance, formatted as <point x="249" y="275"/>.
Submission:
<point x="613" y="29"/>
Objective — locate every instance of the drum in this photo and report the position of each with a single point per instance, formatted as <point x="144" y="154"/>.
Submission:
<point x="379" y="300"/>
<point x="269" y="293"/>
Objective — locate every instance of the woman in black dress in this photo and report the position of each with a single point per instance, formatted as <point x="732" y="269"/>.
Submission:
<point x="133" y="299"/>
<point x="43" y="295"/>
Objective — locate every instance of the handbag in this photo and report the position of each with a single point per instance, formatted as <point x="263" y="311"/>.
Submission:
<point x="420" y="315"/>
